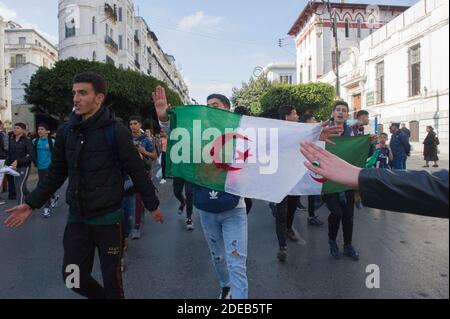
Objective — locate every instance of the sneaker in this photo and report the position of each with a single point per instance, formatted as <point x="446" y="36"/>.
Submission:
<point x="163" y="181"/>
<point x="181" y="209"/>
<point x="189" y="224"/>
<point x="46" y="213"/>
<point x="292" y="234"/>
<point x="282" y="254"/>
<point x="136" y="234"/>
<point x="54" y="201"/>
<point x="350" y="252"/>
<point x="314" y="221"/>
<point x="225" y="293"/>
<point x="334" y="249"/>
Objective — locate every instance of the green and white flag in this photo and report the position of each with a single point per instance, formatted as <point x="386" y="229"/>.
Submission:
<point x="242" y="155"/>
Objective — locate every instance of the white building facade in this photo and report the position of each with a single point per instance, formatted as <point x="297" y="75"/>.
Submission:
<point x="278" y="72"/>
<point x="401" y="73"/>
<point x="108" y="31"/>
<point x="315" y="48"/>
<point x="25" y="50"/>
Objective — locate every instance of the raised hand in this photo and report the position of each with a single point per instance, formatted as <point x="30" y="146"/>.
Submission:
<point x="329" y="165"/>
<point x="329" y="132"/>
<point x="161" y="104"/>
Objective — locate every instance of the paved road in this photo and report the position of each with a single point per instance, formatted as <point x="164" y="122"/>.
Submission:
<point x="412" y="253"/>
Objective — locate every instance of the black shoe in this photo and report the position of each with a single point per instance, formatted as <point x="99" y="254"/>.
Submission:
<point x="350" y="252"/>
<point x="282" y="254"/>
<point x="334" y="249"/>
<point x="225" y="293"/>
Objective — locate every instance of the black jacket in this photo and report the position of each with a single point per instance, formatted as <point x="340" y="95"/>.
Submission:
<point x="415" y="192"/>
<point x="95" y="174"/>
<point x="20" y="151"/>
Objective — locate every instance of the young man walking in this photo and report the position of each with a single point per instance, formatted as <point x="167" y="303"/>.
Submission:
<point x="92" y="150"/>
<point x="43" y="148"/>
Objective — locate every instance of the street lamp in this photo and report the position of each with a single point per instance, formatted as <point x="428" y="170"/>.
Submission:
<point x="318" y="22"/>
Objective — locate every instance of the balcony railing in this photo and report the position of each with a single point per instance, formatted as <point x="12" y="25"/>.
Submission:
<point x="111" y="12"/>
<point x="113" y="46"/>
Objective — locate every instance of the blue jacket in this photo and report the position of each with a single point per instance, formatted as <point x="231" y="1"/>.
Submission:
<point x="400" y="145"/>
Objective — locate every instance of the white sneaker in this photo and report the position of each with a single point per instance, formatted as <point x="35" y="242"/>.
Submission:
<point x="46" y="213"/>
<point x="189" y="224"/>
<point x="54" y="201"/>
<point x="163" y="181"/>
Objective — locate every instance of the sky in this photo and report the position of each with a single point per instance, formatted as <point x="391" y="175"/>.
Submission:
<point x="217" y="44"/>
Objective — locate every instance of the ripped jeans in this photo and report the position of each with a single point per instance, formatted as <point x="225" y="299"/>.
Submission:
<point x="226" y="234"/>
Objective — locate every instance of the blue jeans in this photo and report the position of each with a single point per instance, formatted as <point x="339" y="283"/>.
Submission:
<point x="398" y="163"/>
<point x="129" y="207"/>
<point x="226" y="234"/>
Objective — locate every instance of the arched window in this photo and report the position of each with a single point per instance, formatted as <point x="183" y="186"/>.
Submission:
<point x="93" y="25"/>
<point x="358" y="25"/>
<point x="347" y="28"/>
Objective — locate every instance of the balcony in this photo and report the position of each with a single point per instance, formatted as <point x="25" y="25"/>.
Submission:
<point x="137" y="64"/>
<point x="111" y="12"/>
<point x="136" y="39"/>
<point x="111" y="44"/>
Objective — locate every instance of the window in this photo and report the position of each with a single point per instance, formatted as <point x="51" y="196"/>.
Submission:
<point x="120" y="42"/>
<point x="310" y="70"/>
<point x="109" y="60"/>
<point x="347" y="28"/>
<point x="371" y="22"/>
<point x="414" y="70"/>
<point x="120" y="14"/>
<point x="22" y="40"/>
<point x="333" y="59"/>
<point x="358" y="25"/>
<point x="93" y="25"/>
<point x="300" y="75"/>
<point x="379" y="74"/>
<point x="20" y="59"/>
<point x="70" y="28"/>
<point x="286" y="79"/>
<point x="94" y="56"/>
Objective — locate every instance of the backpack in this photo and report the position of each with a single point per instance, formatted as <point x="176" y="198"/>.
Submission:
<point x="213" y="201"/>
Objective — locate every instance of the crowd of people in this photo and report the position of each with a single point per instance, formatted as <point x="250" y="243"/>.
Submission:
<point x="110" y="164"/>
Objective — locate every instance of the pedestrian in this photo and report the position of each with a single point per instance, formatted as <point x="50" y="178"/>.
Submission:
<point x="43" y="148"/>
<point x="4" y="141"/>
<point x="20" y="157"/>
<point x="147" y="153"/>
<point x="92" y="149"/>
<point x="186" y="201"/>
<point x="362" y="117"/>
<point x="430" y="148"/>
<point x="163" y="138"/>
<point x="341" y="205"/>
<point x="385" y="155"/>
<point x="313" y="219"/>
<point x="400" y="147"/>
<point x="10" y="179"/>
<point x="223" y="218"/>
<point x="398" y="191"/>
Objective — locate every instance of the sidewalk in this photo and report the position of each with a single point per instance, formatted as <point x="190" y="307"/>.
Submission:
<point x="415" y="162"/>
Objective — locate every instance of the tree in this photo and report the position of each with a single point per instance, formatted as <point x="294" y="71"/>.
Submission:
<point x="250" y="93"/>
<point x="315" y="98"/>
<point x="129" y="92"/>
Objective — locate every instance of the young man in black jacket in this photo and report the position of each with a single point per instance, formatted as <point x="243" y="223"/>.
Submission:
<point x="20" y="157"/>
<point x="95" y="168"/>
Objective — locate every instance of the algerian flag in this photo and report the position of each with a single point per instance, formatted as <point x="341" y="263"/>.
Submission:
<point x="247" y="156"/>
<point x="353" y="150"/>
<point x="242" y="155"/>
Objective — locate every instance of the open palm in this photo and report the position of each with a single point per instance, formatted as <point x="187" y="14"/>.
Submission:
<point x="18" y="215"/>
